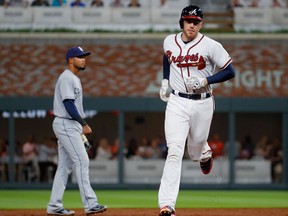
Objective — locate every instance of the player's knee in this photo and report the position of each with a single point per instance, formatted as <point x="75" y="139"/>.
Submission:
<point x="175" y="153"/>
<point x="194" y="153"/>
<point x="84" y="162"/>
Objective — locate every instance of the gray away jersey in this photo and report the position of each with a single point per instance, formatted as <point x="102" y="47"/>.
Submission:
<point x="68" y="86"/>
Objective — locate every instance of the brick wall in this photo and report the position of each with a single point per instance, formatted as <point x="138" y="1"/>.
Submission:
<point x="132" y="66"/>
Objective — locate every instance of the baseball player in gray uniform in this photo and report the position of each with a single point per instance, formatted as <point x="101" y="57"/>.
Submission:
<point x="189" y="67"/>
<point x="69" y="126"/>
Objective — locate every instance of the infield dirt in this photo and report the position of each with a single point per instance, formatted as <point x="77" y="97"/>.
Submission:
<point x="154" y="212"/>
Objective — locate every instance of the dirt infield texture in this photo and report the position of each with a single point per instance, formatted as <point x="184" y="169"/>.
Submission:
<point x="154" y="212"/>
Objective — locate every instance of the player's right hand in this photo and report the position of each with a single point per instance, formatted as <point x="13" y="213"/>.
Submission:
<point x="163" y="90"/>
<point x="86" y="129"/>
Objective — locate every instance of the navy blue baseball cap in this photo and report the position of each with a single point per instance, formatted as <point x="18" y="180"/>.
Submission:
<point x="76" y="52"/>
<point x="192" y="12"/>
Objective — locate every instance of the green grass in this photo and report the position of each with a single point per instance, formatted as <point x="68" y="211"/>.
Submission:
<point x="38" y="199"/>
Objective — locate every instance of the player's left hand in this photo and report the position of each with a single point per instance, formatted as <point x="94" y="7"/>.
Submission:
<point x="198" y="82"/>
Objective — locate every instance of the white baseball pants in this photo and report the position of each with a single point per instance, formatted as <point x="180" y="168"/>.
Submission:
<point x="185" y="119"/>
<point x="71" y="152"/>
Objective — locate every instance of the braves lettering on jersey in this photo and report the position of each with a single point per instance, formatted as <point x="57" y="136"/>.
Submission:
<point x="198" y="58"/>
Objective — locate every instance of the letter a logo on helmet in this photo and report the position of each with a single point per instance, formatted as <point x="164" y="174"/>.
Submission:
<point x="191" y="12"/>
<point x="194" y="12"/>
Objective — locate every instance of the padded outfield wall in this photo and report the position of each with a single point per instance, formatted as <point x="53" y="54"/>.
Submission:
<point x="121" y="85"/>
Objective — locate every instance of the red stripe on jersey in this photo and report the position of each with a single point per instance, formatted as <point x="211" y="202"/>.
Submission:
<point x="180" y="50"/>
<point x="190" y="49"/>
<point x="195" y="44"/>
<point x="230" y="60"/>
<point x="180" y="55"/>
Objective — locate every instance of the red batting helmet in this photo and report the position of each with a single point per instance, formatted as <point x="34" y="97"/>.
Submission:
<point x="191" y="12"/>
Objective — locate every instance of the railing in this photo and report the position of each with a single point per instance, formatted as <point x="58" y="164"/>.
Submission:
<point x="260" y="19"/>
<point x="140" y="19"/>
<point x="150" y="171"/>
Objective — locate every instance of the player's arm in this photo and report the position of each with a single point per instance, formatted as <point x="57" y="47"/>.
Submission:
<point x="222" y="75"/>
<point x="166" y="67"/>
<point x="73" y="112"/>
<point x="165" y="81"/>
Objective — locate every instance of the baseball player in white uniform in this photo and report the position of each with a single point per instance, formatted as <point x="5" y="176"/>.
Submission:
<point x="69" y="126"/>
<point x="189" y="67"/>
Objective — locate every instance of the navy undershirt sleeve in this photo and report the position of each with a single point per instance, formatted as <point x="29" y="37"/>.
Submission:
<point x="166" y="67"/>
<point x="73" y="112"/>
<point x="223" y="75"/>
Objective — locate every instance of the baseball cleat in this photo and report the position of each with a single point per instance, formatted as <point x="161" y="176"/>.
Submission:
<point x="206" y="166"/>
<point x="167" y="211"/>
<point x="61" y="212"/>
<point x="96" y="209"/>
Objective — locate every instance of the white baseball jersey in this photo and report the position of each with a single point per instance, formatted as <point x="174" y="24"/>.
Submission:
<point x="68" y="86"/>
<point x="197" y="58"/>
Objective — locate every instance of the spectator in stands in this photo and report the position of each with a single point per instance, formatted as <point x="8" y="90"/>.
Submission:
<point x="25" y="3"/>
<point x="30" y="157"/>
<point x="59" y="3"/>
<point x="4" y="157"/>
<point x="233" y="4"/>
<point x="40" y="3"/>
<point x="254" y="4"/>
<point x="20" y="3"/>
<point x="134" y="3"/>
<point x="104" y="150"/>
<point x="3" y="147"/>
<point x="275" y="154"/>
<point x="163" y="148"/>
<point x="115" y="149"/>
<point x="77" y="3"/>
<point x="117" y="4"/>
<point x="47" y="158"/>
<point x="261" y="147"/>
<point x="163" y="3"/>
<point x="276" y="4"/>
<point x="133" y="150"/>
<point x="237" y="146"/>
<point x="216" y="145"/>
<point x="5" y="3"/>
<point x="247" y="148"/>
<point x="18" y="149"/>
<point x="155" y="148"/>
<point x="97" y="3"/>
<point x="144" y="146"/>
